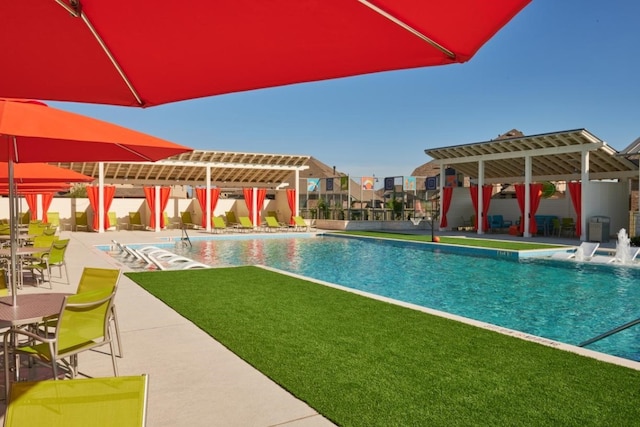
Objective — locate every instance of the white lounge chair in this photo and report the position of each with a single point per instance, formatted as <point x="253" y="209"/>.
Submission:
<point x="606" y="259"/>
<point x="588" y="249"/>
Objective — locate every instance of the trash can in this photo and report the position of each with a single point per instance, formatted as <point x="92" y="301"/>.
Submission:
<point x="599" y="229"/>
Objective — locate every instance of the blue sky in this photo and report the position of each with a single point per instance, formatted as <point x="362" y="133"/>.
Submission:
<point x="558" y="65"/>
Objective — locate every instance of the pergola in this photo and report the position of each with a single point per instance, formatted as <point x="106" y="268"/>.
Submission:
<point x="199" y="167"/>
<point x="573" y="155"/>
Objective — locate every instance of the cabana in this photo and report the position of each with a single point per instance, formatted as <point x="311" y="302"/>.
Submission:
<point x="575" y="156"/>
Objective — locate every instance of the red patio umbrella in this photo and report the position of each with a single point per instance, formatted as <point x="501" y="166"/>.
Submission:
<point x="38" y="174"/>
<point x="144" y="53"/>
<point x="30" y="132"/>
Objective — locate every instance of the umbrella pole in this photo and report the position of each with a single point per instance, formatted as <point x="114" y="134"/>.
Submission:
<point x="13" y="238"/>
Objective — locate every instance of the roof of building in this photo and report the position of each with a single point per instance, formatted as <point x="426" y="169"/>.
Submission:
<point x="555" y="156"/>
<point x="228" y="169"/>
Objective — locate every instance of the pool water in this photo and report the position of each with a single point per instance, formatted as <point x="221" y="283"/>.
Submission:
<point x="564" y="301"/>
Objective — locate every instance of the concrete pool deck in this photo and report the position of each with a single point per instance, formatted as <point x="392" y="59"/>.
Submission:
<point x="193" y="379"/>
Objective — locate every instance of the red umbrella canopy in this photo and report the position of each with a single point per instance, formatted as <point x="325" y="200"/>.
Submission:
<point x="144" y="53"/>
<point x="30" y="131"/>
<point x="35" y="188"/>
<point x="25" y="173"/>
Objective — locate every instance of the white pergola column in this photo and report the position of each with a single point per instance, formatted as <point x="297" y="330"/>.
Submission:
<point x="480" y="197"/>
<point x="297" y="201"/>
<point x="207" y="212"/>
<point x="100" y="197"/>
<point x="254" y="204"/>
<point x="528" y="167"/>
<point x="156" y="207"/>
<point x="441" y="190"/>
<point x="585" y="184"/>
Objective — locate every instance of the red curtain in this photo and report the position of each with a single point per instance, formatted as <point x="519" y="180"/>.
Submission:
<point x="262" y="194"/>
<point x="447" y="192"/>
<point x="535" y="192"/>
<point x="46" y="202"/>
<point x="520" y="196"/>
<point x="575" y="190"/>
<point x="473" y="190"/>
<point x="92" y="193"/>
<point x="150" y="196"/>
<point x="201" y="194"/>
<point x="248" y="200"/>
<point x="291" y="199"/>
<point x="32" y="202"/>
<point x="486" y="202"/>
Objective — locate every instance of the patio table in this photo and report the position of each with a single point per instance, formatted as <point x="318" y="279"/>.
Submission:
<point x="30" y="309"/>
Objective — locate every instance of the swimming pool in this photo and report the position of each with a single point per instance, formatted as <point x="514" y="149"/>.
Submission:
<point x="563" y="301"/>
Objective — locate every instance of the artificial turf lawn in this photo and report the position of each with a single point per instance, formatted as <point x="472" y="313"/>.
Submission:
<point x="463" y="241"/>
<point x="363" y="362"/>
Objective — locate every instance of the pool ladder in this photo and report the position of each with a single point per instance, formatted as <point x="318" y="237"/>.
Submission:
<point x="609" y="333"/>
<point x="184" y="238"/>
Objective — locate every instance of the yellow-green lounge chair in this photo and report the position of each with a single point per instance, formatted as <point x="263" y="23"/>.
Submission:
<point x="273" y="224"/>
<point x="245" y="224"/>
<point x="219" y="226"/>
<point x="96" y="402"/>
<point x="300" y="224"/>
<point x="232" y="220"/>
<point x="187" y="221"/>
<point x="135" y="221"/>
<point x="82" y="222"/>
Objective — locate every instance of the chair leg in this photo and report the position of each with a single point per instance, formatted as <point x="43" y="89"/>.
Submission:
<point x="114" y="318"/>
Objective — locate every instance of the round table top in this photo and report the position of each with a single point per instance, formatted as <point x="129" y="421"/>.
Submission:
<point x="30" y="308"/>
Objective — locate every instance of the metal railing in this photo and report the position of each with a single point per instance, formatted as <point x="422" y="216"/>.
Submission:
<point x="609" y="333"/>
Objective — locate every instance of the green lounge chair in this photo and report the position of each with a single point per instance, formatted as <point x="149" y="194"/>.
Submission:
<point x="99" y="402"/>
<point x="274" y="225"/>
<point x="232" y="220"/>
<point x="82" y="222"/>
<point x="187" y="221"/>
<point x="219" y="226"/>
<point x="135" y="221"/>
<point x="245" y="224"/>
<point x="300" y="224"/>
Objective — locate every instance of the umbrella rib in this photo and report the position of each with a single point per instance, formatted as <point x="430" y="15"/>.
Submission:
<point x="76" y="10"/>
<point x="409" y="28"/>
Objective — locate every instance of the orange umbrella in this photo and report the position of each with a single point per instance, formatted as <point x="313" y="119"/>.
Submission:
<point x="39" y="173"/>
<point x="30" y="132"/>
<point x="36" y="188"/>
<point x="143" y="53"/>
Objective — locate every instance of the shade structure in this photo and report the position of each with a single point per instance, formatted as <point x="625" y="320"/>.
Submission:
<point x="32" y="132"/>
<point x="35" y="188"/>
<point x="146" y="53"/>
<point x="39" y="174"/>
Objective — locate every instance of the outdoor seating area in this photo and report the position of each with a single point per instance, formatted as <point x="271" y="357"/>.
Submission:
<point x="57" y="331"/>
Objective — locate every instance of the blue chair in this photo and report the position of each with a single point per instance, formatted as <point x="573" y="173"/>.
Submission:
<point x="497" y="222"/>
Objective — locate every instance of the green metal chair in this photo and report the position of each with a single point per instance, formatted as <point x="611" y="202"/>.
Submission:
<point x="54" y="257"/>
<point x="53" y="218"/>
<point x="83" y="324"/>
<point x="99" y="402"/>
